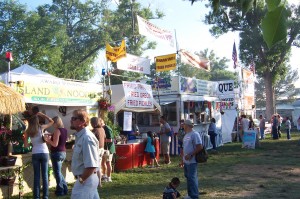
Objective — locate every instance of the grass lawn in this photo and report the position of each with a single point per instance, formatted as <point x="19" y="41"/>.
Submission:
<point x="270" y="171"/>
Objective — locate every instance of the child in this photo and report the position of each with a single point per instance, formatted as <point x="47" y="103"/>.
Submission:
<point x="170" y="191"/>
<point x="151" y="149"/>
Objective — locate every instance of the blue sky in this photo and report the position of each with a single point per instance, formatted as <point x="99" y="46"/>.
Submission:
<point x="192" y="33"/>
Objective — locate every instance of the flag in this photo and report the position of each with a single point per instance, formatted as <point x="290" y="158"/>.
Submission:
<point x="150" y="30"/>
<point x="135" y="64"/>
<point x="252" y="66"/>
<point x="115" y="53"/>
<point x="165" y="62"/>
<point x="234" y="56"/>
<point x="194" y="60"/>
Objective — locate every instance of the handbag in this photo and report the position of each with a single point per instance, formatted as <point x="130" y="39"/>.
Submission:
<point x="201" y="156"/>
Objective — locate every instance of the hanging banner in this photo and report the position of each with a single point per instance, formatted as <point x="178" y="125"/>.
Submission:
<point x="138" y="95"/>
<point x="135" y="64"/>
<point x="150" y="30"/>
<point x="248" y="89"/>
<point x="194" y="60"/>
<point x="114" y="54"/>
<point x="165" y="62"/>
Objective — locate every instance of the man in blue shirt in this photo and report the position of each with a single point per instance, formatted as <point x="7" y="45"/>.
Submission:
<point x="192" y="144"/>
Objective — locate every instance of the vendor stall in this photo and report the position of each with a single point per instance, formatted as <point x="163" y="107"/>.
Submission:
<point x="133" y="101"/>
<point x="190" y="98"/>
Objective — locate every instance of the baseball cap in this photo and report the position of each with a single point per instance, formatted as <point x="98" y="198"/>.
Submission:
<point x="189" y="122"/>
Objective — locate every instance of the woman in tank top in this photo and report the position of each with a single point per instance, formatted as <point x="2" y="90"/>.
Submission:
<point x="58" y="154"/>
<point x="40" y="152"/>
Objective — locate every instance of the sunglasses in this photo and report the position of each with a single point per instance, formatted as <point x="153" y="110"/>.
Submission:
<point x="74" y="118"/>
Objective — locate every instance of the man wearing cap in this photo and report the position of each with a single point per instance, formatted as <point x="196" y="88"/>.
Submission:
<point x="192" y="144"/>
<point x="85" y="159"/>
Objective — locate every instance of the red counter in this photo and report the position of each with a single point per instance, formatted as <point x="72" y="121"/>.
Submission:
<point x="133" y="155"/>
<point x="124" y="157"/>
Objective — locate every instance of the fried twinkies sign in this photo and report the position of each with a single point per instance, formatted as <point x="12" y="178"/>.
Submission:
<point x="138" y="95"/>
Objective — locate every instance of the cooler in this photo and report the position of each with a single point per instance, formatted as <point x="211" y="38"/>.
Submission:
<point x="138" y="154"/>
<point x="124" y="157"/>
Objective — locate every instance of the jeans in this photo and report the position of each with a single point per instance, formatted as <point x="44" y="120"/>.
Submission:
<point x="288" y="134"/>
<point x="57" y="159"/>
<point x="40" y="164"/>
<point x="262" y="133"/>
<point x="213" y="140"/>
<point x="191" y="174"/>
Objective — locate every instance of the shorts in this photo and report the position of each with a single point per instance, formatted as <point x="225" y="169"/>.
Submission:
<point x="101" y="152"/>
<point x="165" y="148"/>
<point x="107" y="158"/>
<point x="152" y="155"/>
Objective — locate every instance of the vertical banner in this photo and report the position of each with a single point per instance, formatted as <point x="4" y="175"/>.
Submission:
<point x="150" y="30"/>
<point x="248" y="89"/>
<point x="114" y="54"/>
<point x="127" y="121"/>
<point x="165" y="62"/>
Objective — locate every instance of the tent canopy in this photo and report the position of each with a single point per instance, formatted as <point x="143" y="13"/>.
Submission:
<point x="11" y="102"/>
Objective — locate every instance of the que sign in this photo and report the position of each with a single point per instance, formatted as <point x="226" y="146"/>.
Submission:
<point x="225" y="87"/>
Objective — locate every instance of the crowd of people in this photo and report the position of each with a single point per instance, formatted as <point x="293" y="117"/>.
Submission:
<point x="92" y="153"/>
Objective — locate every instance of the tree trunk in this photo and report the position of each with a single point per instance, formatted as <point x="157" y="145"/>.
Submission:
<point x="269" y="96"/>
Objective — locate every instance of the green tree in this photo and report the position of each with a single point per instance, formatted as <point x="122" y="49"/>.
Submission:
<point x="270" y="62"/>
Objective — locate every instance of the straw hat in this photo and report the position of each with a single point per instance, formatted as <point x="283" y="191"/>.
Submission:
<point x="11" y="102"/>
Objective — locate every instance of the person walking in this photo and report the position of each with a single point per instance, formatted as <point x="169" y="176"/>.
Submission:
<point x="165" y="140"/>
<point x="40" y="152"/>
<point x="100" y="135"/>
<point x="212" y="132"/>
<point x="109" y="151"/>
<point x="262" y="126"/>
<point x="151" y="149"/>
<point x="58" y="154"/>
<point x="192" y="144"/>
<point x="85" y="159"/>
<point x="288" y="127"/>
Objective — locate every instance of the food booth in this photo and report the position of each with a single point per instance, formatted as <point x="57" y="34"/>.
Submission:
<point x="54" y="97"/>
<point x="190" y="98"/>
<point x="134" y="100"/>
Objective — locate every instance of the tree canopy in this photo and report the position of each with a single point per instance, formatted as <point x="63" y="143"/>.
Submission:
<point x="270" y="62"/>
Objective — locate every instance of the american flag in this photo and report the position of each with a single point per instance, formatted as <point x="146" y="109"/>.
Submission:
<point x="234" y="56"/>
<point x="252" y="66"/>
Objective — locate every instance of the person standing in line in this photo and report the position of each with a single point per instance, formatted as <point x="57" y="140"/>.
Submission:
<point x="100" y="135"/>
<point x="40" y="152"/>
<point x="262" y="126"/>
<point x="109" y="151"/>
<point x="85" y="159"/>
<point x="151" y="149"/>
<point x="192" y="144"/>
<point x="212" y="132"/>
<point x="165" y="140"/>
<point x="288" y="127"/>
<point x="180" y="136"/>
<point x="58" y="154"/>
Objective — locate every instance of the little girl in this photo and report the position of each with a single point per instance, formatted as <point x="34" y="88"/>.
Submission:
<point x="151" y="149"/>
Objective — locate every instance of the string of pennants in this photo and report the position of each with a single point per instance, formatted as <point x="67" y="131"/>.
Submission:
<point x="225" y="105"/>
<point x="128" y="62"/>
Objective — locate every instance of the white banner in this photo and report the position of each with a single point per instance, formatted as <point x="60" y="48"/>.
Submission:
<point x="150" y="30"/>
<point x="226" y="88"/>
<point x="135" y="64"/>
<point x="194" y="60"/>
<point x="138" y="95"/>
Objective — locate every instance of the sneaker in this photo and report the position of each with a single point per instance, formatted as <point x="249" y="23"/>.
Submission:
<point x="109" y="179"/>
<point x="150" y="166"/>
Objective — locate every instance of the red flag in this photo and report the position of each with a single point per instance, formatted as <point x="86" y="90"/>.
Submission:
<point x="8" y="56"/>
<point x="234" y="56"/>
